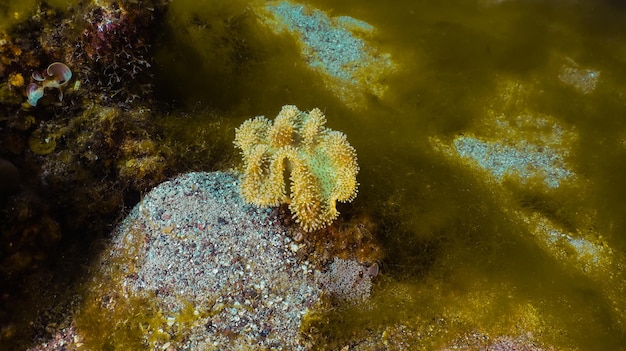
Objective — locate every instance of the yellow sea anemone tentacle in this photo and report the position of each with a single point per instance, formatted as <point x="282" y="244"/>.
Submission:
<point x="306" y="205"/>
<point x="251" y="133"/>
<point x="343" y="156"/>
<point x="312" y="128"/>
<point x="253" y="175"/>
<point x="282" y="133"/>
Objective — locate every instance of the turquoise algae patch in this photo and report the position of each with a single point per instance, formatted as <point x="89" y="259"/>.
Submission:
<point x="525" y="157"/>
<point x="522" y="160"/>
<point x="523" y="146"/>
<point x="580" y="78"/>
<point x="336" y="47"/>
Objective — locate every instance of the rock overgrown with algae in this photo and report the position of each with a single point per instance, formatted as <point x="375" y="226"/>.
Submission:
<point x="195" y="268"/>
<point x="320" y="163"/>
<point x="113" y="49"/>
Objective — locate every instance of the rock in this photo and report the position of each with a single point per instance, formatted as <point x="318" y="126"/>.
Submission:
<point x="9" y="177"/>
<point x="214" y="271"/>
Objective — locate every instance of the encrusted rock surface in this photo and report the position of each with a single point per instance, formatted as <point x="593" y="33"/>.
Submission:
<point x="193" y="241"/>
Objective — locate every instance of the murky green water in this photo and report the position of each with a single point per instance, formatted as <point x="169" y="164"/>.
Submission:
<point x="457" y="247"/>
<point x="454" y="249"/>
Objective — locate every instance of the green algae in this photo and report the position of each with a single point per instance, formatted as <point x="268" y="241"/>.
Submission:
<point x="12" y="12"/>
<point x="218" y="55"/>
<point x="444" y="226"/>
<point x="460" y="256"/>
<point x="110" y="322"/>
<point x="111" y="318"/>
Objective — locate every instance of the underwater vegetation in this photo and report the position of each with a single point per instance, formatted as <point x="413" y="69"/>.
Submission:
<point x="320" y="163"/>
<point x="71" y="154"/>
<point x="490" y="138"/>
<point x="113" y="46"/>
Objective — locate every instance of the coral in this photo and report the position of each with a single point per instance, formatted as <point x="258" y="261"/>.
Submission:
<point x="41" y="143"/>
<point x="16" y="80"/>
<point x="322" y="165"/>
<point x="12" y="54"/>
<point x="113" y="48"/>
<point x="14" y="59"/>
<point x="141" y="162"/>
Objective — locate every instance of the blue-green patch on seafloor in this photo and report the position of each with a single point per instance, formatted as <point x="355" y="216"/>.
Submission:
<point x="522" y="160"/>
<point x="513" y="142"/>
<point x="525" y="160"/>
<point x="336" y="47"/>
<point x="583" y="79"/>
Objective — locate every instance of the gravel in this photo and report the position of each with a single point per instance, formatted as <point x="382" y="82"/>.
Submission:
<point x="347" y="280"/>
<point x="193" y="241"/>
<point x="523" y="159"/>
<point x="209" y="272"/>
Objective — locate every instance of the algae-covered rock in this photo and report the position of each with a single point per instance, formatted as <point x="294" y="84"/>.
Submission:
<point x="41" y="142"/>
<point x="9" y="176"/>
<point x="525" y="160"/>
<point x="196" y="268"/>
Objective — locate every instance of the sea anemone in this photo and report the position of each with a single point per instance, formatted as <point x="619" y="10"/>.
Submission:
<point x="298" y="161"/>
